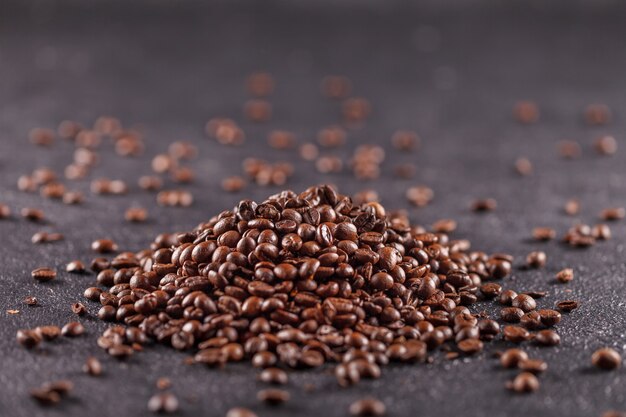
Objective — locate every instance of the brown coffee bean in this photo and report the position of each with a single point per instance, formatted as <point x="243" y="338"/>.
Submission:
<point x="605" y="145"/>
<point x="569" y="149"/>
<point x="258" y="111"/>
<point x="136" y="215"/>
<point x="526" y="112"/>
<point x="44" y="274"/>
<point x="273" y="376"/>
<point x="28" y="338"/>
<point x="613" y="213"/>
<point x="515" y="334"/>
<point x="470" y="346"/>
<point x="523" y="166"/>
<point x="240" y="412"/>
<point x="547" y="338"/>
<point x="535" y="366"/>
<point x="163" y="402"/>
<point x="405" y="140"/>
<point x="606" y="359"/>
<point x="544" y="233"/>
<point x="597" y="114"/>
<point x="34" y="215"/>
<point x="524" y="302"/>
<point x="31" y="301"/>
<point x="565" y="275"/>
<point x="549" y="317"/>
<point x="536" y="259"/>
<point x="336" y="86"/>
<point x="233" y="184"/>
<point x="79" y="309"/>
<point x="273" y="396"/>
<point x="571" y="207"/>
<point x="511" y="314"/>
<point x="73" y="329"/>
<point x="92" y="366"/>
<point x="260" y="84"/>
<point x="512" y="357"/>
<point x="41" y="136"/>
<point x="567" y="306"/>
<point x="481" y="205"/>
<point x="419" y="196"/>
<point x="48" y="332"/>
<point x="525" y="382"/>
<point x="104" y="246"/>
<point x="368" y="407"/>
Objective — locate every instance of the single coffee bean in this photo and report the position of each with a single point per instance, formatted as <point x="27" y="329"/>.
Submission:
<point x="44" y="274"/>
<point x="73" y="329"/>
<point x="536" y="259"/>
<point x="76" y="267"/>
<point x="92" y="366"/>
<point x="28" y="338"/>
<point x="606" y="359"/>
<point x="512" y="357"/>
<point x="240" y="412"/>
<point x="163" y="402"/>
<point x="547" y="338"/>
<point x="368" y="407"/>
<point x="525" y="382"/>
<point x="535" y="366"/>
<point x="273" y="396"/>
<point x="565" y="275"/>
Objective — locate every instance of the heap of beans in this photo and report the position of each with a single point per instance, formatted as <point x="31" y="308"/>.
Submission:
<point x="299" y="280"/>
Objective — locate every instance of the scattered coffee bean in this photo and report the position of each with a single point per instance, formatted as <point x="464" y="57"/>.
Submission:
<point x="336" y="86"/>
<point x="163" y="402"/>
<point x="233" y="184"/>
<point x="567" y="306"/>
<point x="523" y="167"/>
<point x="536" y="259"/>
<point x="260" y="84"/>
<point x="28" y="338"/>
<point x="569" y="149"/>
<point x="136" y="215"/>
<point x="75" y="267"/>
<point x="273" y="396"/>
<point x="605" y="145"/>
<point x="5" y="211"/>
<point x="163" y="383"/>
<point x="44" y="274"/>
<point x="526" y="112"/>
<point x="549" y="318"/>
<point x="104" y="246"/>
<point x="571" y="207"/>
<point x="515" y="334"/>
<point x="44" y="237"/>
<point x="597" y="114"/>
<point x="524" y="302"/>
<point x="48" y="333"/>
<point x="92" y="366"/>
<point x="79" y="309"/>
<point x="368" y="407"/>
<point x="240" y="412"/>
<point x="34" y="215"/>
<point x="544" y="233"/>
<point x="273" y="376"/>
<point x="73" y="329"/>
<point x="547" y="338"/>
<point x="613" y="213"/>
<point x="535" y="366"/>
<point x="565" y="275"/>
<point x="258" y="111"/>
<point x="419" y="196"/>
<point x="481" y="205"/>
<point x="606" y="359"/>
<point x="525" y="382"/>
<point x="405" y="140"/>
<point x="512" y="357"/>
<point x="31" y="301"/>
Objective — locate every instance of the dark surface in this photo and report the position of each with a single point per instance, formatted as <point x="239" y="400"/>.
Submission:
<point x="170" y="66"/>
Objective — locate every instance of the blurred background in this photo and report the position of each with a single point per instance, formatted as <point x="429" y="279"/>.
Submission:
<point x="451" y="71"/>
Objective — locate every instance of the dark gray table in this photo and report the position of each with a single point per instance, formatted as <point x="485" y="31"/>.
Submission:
<point x="450" y="71"/>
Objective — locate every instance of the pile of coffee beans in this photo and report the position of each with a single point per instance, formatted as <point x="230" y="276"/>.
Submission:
<point x="301" y="280"/>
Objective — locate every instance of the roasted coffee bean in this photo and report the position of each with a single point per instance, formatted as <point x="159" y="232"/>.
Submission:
<point x="73" y="329"/>
<point x="525" y="382"/>
<point x="79" y="309"/>
<point x="536" y="259"/>
<point x="163" y="383"/>
<point x="240" y="412"/>
<point x="92" y="366"/>
<point x="490" y="290"/>
<point x="549" y="317"/>
<point x="28" y="338"/>
<point x="48" y="332"/>
<point x="547" y="338"/>
<point x="273" y="376"/>
<point x="544" y="233"/>
<point x="535" y="366"/>
<point x="260" y="84"/>
<point x="136" y="215"/>
<point x="571" y="207"/>
<point x="597" y="114"/>
<point x="613" y="213"/>
<point x="44" y="274"/>
<point x="567" y="306"/>
<point x="565" y="275"/>
<point x="512" y="357"/>
<point x="524" y="302"/>
<point x="526" y="112"/>
<point x="470" y="346"/>
<point x="336" y="86"/>
<point x="605" y="145"/>
<point x="511" y="314"/>
<point x="75" y="267"/>
<point x="515" y="334"/>
<point x="273" y="396"/>
<point x="487" y="204"/>
<point x="569" y="149"/>
<point x="163" y="402"/>
<point x="368" y="407"/>
<point x="523" y="166"/>
<point x="104" y="246"/>
<point x="606" y="359"/>
<point x="31" y="301"/>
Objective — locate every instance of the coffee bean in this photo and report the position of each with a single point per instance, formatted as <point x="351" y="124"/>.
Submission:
<point x="260" y="84"/>
<point x="525" y="382"/>
<point x="92" y="366"/>
<point x="470" y="346"/>
<point x="549" y="317"/>
<point x="273" y="396"/>
<point x="233" y="184"/>
<point x="136" y="215"/>
<point x="569" y="149"/>
<point x="515" y="334"/>
<point x="481" y="205"/>
<point x="368" y="407"/>
<point x="258" y="111"/>
<point x="606" y="359"/>
<point x="273" y="376"/>
<point x="523" y="167"/>
<point x="405" y="140"/>
<point x="44" y="274"/>
<point x="535" y="366"/>
<point x="73" y="329"/>
<point x="512" y="357"/>
<point x="543" y="233"/>
<point x="565" y="275"/>
<point x="150" y="183"/>
<point x="31" y="301"/>
<point x="613" y="213"/>
<point x="419" y="196"/>
<point x="547" y="338"/>
<point x="605" y="145"/>
<point x="511" y="314"/>
<point x="526" y="112"/>
<point x="336" y="86"/>
<point x="536" y="259"/>
<point x="571" y="207"/>
<point x="163" y="402"/>
<point x="28" y="338"/>
<point x="41" y="136"/>
<point x="34" y="215"/>
<point x="240" y="412"/>
<point x="104" y="246"/>
<point x="524" y="302"/>
<point x="567" y="306"/>
<point x="79" y="309"/>
<point x="73" y="197"/>
<point x="597" y="114"/>
<point x="601" y="232"/>
<point x="48" y="333"/>
<point x="75" y="267"/>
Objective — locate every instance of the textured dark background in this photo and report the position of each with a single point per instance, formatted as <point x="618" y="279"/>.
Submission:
<point x="450" y="70"/>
